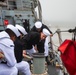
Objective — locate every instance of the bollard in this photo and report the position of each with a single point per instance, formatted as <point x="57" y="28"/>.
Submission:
<point x="38" y="63"/>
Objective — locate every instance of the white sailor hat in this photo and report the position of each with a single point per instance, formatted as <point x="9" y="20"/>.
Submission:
<point x="38" y="24"/>
<point x="21" y="29"/>
<point x="46" y="32"/>
<point x="14" y="29"/>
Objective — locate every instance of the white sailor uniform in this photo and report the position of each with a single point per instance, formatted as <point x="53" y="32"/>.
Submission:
<point x="7" y="47"/>
<point x="46" y="47"/>
<point x="22" y="66"/>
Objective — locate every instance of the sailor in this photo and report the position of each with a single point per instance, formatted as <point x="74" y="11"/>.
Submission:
<point x="22" y="66"/>
<point x="26" y="25"/>
<point x="8" y="61"/>
<point x="38" y="27"/>
<point x="34" y="38"/>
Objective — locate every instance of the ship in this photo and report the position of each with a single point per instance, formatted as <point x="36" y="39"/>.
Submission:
<point x="19" y="11"/>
